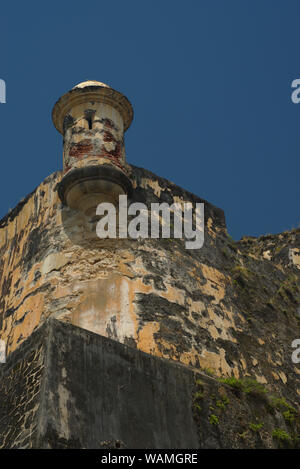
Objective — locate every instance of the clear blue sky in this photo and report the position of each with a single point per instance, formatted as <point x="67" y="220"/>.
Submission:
<point x="210" y="82"/>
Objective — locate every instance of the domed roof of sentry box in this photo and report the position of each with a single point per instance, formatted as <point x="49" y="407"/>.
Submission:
<point x="83" y="84"/>
<point x="91" y="91"/>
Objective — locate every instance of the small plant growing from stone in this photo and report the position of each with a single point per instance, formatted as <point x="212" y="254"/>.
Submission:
<point x="255" y="427"/>
<point x="289" y="416"/>
<point x="245" y="385"/>
<point x="280" y="403"/>
<point x="209" y="371"/>
<point x="198" y="395"/>
<point x="281" y="435"/>
<point x="197" y="406"/>
<point x="288" y="411"/>
<point x="222" y="403"/>
<point x="213" y="419"/>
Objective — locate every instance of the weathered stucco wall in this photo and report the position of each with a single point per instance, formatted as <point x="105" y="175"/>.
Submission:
<point x="99" y="394"/>
<point x="66" y="387"/>
<point x="230" y="307"/>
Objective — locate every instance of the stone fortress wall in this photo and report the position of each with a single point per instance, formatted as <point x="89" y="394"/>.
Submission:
<point x="227" y="309"/>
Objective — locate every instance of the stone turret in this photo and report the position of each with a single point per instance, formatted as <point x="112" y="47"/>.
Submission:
<point x="92" y="117"/>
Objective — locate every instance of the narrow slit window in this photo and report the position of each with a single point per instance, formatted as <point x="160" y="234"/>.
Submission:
<point x="90" y="122"/>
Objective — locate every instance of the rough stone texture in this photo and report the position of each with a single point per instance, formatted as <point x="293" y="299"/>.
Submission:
<point x="232" y="307"/>
<point x="20" y="393"/>
<point x="66" y="387"/>
<point x="69" y="388"/>
<point x="243" y="415"/>
<point x="99" y="394"/>
<point x="53" y="264"/>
